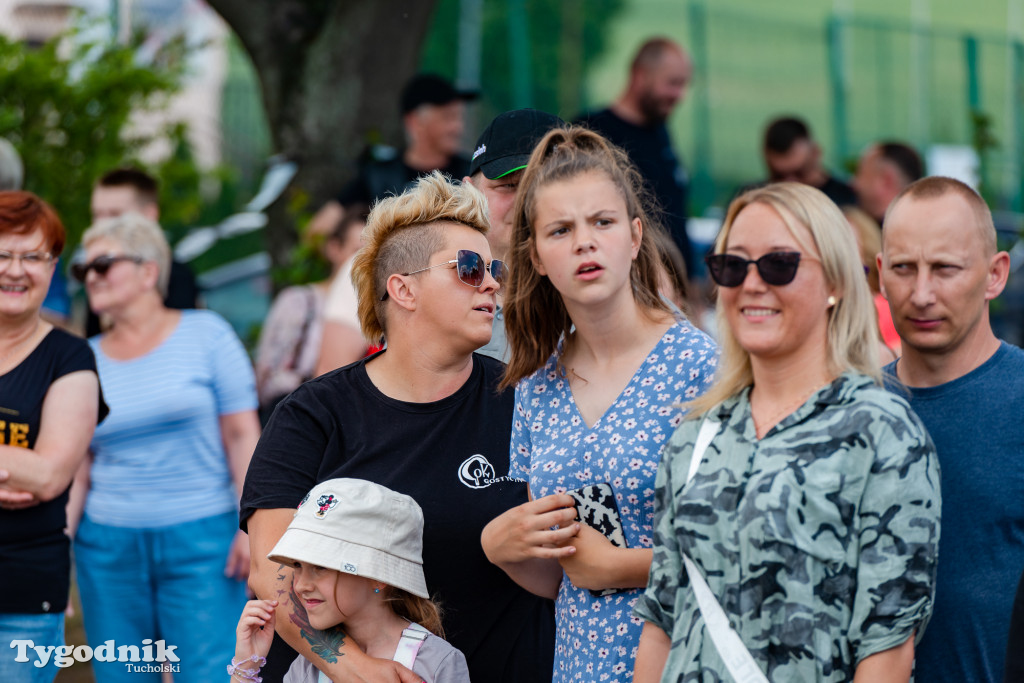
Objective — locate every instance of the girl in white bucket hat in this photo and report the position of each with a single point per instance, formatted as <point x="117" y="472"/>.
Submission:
<point x="356" y="549"/>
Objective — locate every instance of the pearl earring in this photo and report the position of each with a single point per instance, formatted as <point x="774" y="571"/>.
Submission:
<point x="831" y="301"/>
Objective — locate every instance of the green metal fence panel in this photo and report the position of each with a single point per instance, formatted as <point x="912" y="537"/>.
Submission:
<point x="854" y="79"/>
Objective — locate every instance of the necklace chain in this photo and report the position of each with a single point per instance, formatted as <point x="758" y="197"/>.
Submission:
<point x="10" y="351"/>
<point x="778" y="415"/>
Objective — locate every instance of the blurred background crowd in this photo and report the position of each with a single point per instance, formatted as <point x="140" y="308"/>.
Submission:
<point x="195" y="93"/>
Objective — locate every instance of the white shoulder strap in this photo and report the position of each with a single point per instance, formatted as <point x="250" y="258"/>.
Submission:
<point x="730" y="646"/>
<point x="408" y="647"/>
<point x="708" y="429"/>
<point x="410" y="644"/>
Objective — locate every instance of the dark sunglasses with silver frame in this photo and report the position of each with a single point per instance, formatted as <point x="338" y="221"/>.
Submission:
<point x="101" y="264"/>
<point x="775" y="268"/>
<point x="470" y="268"/>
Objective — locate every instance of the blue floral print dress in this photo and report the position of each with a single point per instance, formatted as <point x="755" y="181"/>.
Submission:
<point x="596" y="637"/>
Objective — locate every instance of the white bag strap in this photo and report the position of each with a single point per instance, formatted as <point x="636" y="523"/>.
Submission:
<point x="405" y="654"/>
<point x="410" y="644"/>
<point x="708" y="430"/>
<point x="734" y="653"/>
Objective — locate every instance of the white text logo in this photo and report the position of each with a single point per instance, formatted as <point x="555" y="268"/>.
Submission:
<point x="66" y="655"/>
<point x="477" y="473"/>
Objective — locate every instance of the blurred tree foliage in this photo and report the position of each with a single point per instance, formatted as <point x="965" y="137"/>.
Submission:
<point x="68" y="106"/>
<point x="561" y="37"/>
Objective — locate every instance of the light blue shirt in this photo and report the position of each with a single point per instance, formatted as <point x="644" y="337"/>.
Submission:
<point x="159" y="458"/>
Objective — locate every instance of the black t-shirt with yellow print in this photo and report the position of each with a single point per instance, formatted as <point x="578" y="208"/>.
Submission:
<point x="34" y="559"/>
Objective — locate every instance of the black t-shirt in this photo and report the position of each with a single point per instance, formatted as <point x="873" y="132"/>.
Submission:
<point x="452" y="457"/>
<point x="379" y="178"/>
<point x="839" y="192"/>
<point x="34" y="561"/>
<point x="650" y="148"/>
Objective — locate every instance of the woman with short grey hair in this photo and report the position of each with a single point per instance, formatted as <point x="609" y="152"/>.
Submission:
<point x="157" y="552"/>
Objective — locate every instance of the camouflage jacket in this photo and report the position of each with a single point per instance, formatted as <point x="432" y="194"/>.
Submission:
<point x="820" y="540"/>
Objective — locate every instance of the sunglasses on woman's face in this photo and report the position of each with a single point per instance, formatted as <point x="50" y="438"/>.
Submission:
<point x="775" y="268"/>
<point x="470" y="268"/>
<point x="101" y="264"/>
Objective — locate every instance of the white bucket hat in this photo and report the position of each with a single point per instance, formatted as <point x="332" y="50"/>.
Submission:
<point x="360" y="528"/>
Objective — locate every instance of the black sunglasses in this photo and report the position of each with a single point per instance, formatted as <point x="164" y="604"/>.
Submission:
<point x="101" y="264"/>
<point x="775" y="268"/>
<point x="470" y="268"/>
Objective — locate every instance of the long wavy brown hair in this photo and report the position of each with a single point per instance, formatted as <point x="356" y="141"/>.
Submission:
<point x="535" y="316"/>
<point x="418" y="610"/>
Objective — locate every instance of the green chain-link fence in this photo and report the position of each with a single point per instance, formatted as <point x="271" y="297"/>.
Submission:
<point x="855" y="80"/>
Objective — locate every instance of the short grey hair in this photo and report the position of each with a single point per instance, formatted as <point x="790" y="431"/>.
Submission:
<point x="12" y="171"/>
<point x="138" y="236"/>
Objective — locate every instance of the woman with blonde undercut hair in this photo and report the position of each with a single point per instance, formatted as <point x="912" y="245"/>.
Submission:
<point x="423" y="417"/>
<point x="157" y="552"/>
<point x="797" y="508"/>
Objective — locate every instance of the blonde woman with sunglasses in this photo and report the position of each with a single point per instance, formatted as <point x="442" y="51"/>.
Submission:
<point x="424" y="418"/>
<point x="797" y="508"/>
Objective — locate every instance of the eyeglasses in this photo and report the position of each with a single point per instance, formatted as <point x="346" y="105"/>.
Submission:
<point x="775" y="268"/>
<point x="101" y="264"/>
<point x="31" y="260"/>
<point x="470" y="268"/>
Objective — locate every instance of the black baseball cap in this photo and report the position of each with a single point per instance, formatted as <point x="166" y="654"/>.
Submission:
<point x="431" y="89"/>
<point x="506" y="144"/>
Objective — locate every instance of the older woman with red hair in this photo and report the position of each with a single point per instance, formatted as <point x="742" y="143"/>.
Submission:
<point x="50" y="403"/>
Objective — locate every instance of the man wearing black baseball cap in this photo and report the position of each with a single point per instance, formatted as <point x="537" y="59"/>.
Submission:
<point x="499" y="160"/>
<point x="432" y="112"/>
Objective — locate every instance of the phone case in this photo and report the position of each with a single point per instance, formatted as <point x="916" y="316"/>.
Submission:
<point x="596" y="507"/>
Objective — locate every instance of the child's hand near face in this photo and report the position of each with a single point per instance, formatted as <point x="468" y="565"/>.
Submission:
<point x="255" y="629"/>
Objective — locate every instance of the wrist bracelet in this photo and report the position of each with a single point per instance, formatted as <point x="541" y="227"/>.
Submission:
<point x="234" y="668"/>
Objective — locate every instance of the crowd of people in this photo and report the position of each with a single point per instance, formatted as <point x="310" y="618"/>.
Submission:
<point x="496" y="445"/>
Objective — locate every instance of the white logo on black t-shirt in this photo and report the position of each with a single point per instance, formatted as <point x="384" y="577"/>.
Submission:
<point x="476" y="472"/>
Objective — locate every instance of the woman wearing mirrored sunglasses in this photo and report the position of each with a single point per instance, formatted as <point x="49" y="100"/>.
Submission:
<point x="422" y="417"/>
<point x="167" y="465"/>
<point x="812" y="515"/>
<point x="50" y="403"/>
<point x="599" y="365"/>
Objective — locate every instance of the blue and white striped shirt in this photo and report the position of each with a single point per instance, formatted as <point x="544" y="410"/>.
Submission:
<point x="159" y="458"/>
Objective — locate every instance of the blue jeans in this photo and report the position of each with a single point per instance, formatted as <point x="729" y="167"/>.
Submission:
<point x="41" y="629"/>
<point x="160" y="584"/>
